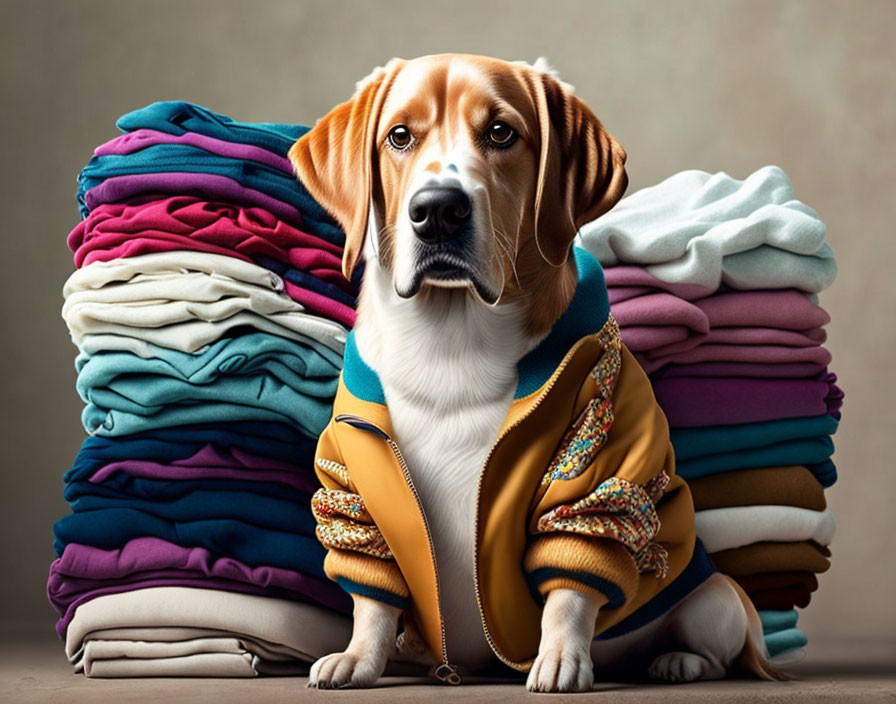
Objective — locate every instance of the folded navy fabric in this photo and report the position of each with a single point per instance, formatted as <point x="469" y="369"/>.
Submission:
<point x="277" y="441"/>
<point x="112" y="528"/>
<point x="122" y="485"/>
<point x="199" y="505"/>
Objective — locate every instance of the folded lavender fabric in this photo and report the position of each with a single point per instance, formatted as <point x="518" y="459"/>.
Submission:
<point x="660" y="324"/>
<point x="699" y="402"/>
<point x="753" y="354"/>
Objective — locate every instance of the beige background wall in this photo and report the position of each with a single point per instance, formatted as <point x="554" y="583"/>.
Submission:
<point x="714" y="85"/>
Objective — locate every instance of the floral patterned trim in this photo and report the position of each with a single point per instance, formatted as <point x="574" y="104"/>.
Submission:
<point x="588" y="434"/>
<point x="344" y="523"/>
<point x="620" y="510"/>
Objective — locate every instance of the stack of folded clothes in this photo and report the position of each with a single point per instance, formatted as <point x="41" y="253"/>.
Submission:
<point x="714" y="283"/>
<point x="210" y="313"/>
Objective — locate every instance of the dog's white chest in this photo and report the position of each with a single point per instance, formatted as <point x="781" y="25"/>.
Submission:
<point x="449" y="388"/>
<point x="444" y="459"/>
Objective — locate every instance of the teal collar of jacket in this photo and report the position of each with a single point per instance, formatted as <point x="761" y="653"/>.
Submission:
<point x="586" y="314"/>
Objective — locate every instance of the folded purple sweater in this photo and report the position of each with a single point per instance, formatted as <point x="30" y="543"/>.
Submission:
<point x="84" y="572"/>
<point x="212" y="462"/>
<point x="701" y="402"/>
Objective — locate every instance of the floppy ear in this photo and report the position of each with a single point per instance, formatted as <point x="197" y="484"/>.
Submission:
<point x="581" y="172"/>
<point x="335" y="159"/>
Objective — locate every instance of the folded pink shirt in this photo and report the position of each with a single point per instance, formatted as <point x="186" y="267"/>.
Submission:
<point x="154" y="224"/>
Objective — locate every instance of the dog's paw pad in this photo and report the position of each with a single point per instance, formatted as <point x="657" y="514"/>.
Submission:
<point x="344" y="670"/>
<point x="560" y="669"/>
<point x="679" y="667"/>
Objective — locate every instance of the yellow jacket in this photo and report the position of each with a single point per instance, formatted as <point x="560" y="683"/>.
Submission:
<point x="578" y="491"/>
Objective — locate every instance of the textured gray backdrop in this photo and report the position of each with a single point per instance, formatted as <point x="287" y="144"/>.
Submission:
<point x="714" y="85"/>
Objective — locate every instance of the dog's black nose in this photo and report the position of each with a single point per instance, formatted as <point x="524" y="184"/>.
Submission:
<point x="439" y="213"/>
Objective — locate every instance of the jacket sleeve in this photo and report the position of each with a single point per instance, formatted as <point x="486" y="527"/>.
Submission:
<point x="358" y="558"/>
<point x="595" y="526"/>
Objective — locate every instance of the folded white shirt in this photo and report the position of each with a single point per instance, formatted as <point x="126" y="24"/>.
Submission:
<point x="180" y="631"/>
<point x="734" y="527"/>
<point x="184" y="301"/>
<point x="709" y="229"/>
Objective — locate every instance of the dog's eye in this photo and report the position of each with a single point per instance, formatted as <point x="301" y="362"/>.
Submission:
<point x="400" y="137"/>
<point x="501" y="134"/>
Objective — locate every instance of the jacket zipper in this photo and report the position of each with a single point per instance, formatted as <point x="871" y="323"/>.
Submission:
<point x="516" y="666"/>
<point x="445" y="671"/>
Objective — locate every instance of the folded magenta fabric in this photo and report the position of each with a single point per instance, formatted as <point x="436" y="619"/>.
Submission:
<point x="148" y="225"/>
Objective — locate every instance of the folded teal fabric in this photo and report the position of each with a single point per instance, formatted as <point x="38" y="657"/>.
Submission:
<point x="780" y="631"/>
<point x="179" y="117"/>
<point x="112" y="528"/>
<point x="252" y="377"/>
<point x="782" y="641"/>
<point x="774" y="621"/>
<point x="690" y="443"/>
<point x="809" y="452"/>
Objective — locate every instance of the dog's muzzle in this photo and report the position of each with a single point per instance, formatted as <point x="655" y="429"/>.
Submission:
<point x="439" y="214"/>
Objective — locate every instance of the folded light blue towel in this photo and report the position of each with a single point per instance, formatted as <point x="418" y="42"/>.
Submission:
<point x="711" y="229"/>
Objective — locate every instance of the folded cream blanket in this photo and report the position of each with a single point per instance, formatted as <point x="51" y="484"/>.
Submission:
<point x="711" y="229"/>
<point x="179" y="631"/>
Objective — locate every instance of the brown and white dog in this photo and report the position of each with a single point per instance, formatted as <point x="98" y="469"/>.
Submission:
<point x="462" y="181"/>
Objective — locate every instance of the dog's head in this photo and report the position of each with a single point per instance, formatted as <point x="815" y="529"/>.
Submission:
<point x="466" y="171"/>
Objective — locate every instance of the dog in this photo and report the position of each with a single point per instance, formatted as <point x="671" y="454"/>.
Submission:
<point x="461" y="181"/>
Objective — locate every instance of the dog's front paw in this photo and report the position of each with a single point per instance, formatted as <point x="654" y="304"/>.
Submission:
<point x="346" y="670"/>
<point x="560" y="668"/>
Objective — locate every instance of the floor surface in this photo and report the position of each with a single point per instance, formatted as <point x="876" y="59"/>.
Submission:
<point x="35" y="670"/>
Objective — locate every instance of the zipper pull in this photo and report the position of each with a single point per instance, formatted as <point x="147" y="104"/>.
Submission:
<point x="445" y="673"/>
